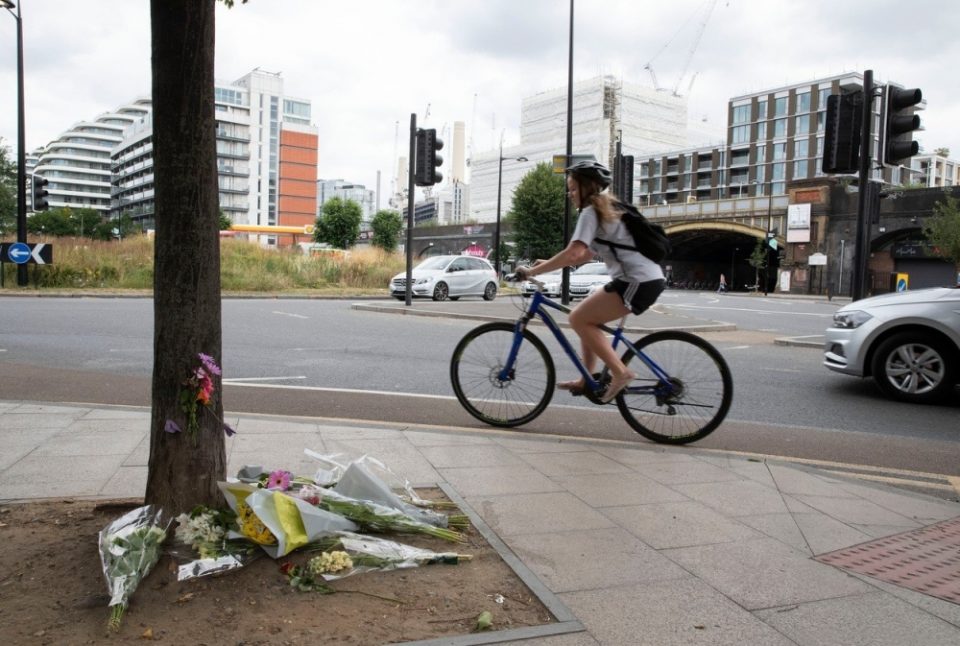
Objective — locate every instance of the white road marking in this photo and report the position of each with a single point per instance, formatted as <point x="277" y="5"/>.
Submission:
<point x="737" y="347"/>
<point x="237" y="380"/>
<point x="296" y="316"/>
<point x="747" y="309"/>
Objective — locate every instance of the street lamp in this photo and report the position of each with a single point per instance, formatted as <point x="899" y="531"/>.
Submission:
<point x="21" y="146"/>
<point x="496" y="231"/>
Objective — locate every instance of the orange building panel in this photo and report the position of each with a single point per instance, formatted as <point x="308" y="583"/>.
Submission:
<point x="297" y="181"/>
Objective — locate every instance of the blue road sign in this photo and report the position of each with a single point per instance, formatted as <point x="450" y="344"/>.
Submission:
<point x="19" y="253"/>
<point x="901" y="285"/>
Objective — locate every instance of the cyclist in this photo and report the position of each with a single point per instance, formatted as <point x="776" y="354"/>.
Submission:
<point x="636" y="284"/>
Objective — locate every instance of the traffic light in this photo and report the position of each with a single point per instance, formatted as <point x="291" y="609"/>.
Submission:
<point x="425" y="169"/>
<point x="39" y="193"/>
<point x="625" y="178"/>
<point x="841" y="141"/>
<point x="899" y="122"/>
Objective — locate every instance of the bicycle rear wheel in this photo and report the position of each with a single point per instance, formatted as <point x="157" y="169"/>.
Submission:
<point x="702" y="389"/>
<point x="475" y="374"/>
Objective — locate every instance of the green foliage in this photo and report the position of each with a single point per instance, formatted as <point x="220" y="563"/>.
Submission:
<point x="8" y="192"/>
<point x="943" y="229"/>
<point x="386" y="226"/>
<point x="941" y="152"/>
<point x="537" y="213"/>
<point x="339" y="224"/>
<point x="55" y="222"/>
<point x="225" y="221"/>
<point x="758" y="258"/>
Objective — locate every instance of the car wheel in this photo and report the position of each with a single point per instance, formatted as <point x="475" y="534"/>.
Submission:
<point x="441" y="292"/>
<point x="912" y="367"/>
<point x="490" y="292"/>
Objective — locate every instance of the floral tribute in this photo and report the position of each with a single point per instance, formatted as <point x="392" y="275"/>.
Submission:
<point x="197" y="394"/>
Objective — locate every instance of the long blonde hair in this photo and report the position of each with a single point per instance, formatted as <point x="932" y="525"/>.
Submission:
<point x="600" y="199"/>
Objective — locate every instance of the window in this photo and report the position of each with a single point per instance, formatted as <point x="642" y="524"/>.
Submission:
<point x="740" y="134"/>
<point x="801" y="148"/>
<point x="779" y="151"/>
<point x="780" y="128"/>
<point x="821" y="120"/>
<point x="761" y="109"/>
<point x="740" y="157"/>
<point x="819" y="146"/>
<point x="803" y="102"/>
<point x="780" y="107"/>
<point x="822" y="97"/>
<point x="761" y="131"/>
<point x="801" y="125"/>
<point x="778" y="171"/>
<point x="741" y="114"/>
<point x="761" y="178"/>
<point x="800" y="169"/>
<point x="761" y="154"/>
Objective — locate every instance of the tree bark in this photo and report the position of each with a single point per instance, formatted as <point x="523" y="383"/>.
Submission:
<point x="183" y="472"/>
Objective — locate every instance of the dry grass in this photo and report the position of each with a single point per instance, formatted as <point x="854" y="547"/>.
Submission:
<point x="244" y="267"/>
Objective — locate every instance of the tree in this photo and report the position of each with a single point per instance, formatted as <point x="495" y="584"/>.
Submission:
<point x="8" y="192"/>
<point x="84" y="221"/>
<point x="537" y="213"/>
<point x="943" y="229"/>
<point x="339" y="224"/>
<point x="225" y="221"/>
<point x="183" y="472"/>
<point x="55" y="222"/>
<point x="941" y="152"/>
<point x="758" y="260"/>
<point x="386" y="226"/>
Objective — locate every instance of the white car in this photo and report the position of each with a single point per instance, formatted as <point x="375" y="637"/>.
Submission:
<point x="443" y="277"/>
<point x="909" y="342"/>
<point x="587" y="279"/>
<point x="551" y="284"/>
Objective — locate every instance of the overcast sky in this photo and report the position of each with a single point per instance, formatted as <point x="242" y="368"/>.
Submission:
<point x="366" y="65"/>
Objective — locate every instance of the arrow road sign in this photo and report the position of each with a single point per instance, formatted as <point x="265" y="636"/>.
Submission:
<point x="22" y="253"/>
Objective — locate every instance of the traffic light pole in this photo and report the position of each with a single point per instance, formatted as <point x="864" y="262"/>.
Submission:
<point x="21" y="153"/>
<point x="565" y="282"/>
<point x="864" y="203"/>
<point x="410" y="188"/>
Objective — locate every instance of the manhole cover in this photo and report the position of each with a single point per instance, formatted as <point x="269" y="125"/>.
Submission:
<point x="925" y="560"/>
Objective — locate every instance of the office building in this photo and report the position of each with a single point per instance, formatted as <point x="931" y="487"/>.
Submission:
<point x="330" y="188"/>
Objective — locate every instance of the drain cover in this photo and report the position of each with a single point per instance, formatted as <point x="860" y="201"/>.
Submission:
<point x="925" y="560"/>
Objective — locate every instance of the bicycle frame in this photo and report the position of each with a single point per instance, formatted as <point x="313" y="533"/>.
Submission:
<point x="537" y="308"/>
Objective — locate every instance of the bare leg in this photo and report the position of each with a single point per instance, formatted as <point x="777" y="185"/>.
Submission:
<point x="599" y="308"/>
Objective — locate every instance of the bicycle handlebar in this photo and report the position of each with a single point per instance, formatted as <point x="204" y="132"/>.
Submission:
<point x="514" y="278"/>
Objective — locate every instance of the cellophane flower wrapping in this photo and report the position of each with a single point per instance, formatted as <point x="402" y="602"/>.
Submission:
<point x="278" y="522"/>
<point x="129" y="548"/>
<point x="355" y="553"/>
<point x="209" y="543"/>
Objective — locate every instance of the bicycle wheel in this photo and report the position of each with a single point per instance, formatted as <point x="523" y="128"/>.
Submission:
<point x="702" y="389"/>
<point x="475" y="369"/>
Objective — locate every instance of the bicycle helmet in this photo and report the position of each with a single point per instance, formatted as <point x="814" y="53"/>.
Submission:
<point x="592" y="170"/>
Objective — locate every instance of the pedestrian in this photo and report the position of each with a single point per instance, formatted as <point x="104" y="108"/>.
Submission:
<point x="723" y="285"/>
<point x="636" y="280"/>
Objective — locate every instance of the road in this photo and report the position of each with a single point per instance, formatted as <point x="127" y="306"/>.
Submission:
<point x="322" y="358"/>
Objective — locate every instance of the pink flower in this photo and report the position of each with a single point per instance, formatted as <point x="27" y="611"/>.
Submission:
<point x="209" y="363"/>
<point x="279" y="480"/>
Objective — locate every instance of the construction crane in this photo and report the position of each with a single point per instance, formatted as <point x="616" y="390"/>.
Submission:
<point x="693" y="47"/>
<point x="653" y="77"/>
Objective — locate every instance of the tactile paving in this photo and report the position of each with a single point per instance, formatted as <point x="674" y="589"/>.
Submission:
<point x="926" y="560"/>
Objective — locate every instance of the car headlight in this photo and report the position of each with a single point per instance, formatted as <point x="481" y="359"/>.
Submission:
<point x="421" y="281"/>
<point x="850" y="320"/>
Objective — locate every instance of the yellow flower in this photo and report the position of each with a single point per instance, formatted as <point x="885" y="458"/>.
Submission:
<point x="252" y="527"/>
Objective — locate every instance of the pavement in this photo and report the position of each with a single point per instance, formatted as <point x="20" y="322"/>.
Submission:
<point x="626" y="542"/>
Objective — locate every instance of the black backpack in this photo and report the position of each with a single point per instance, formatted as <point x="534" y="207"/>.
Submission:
<point x="648" y="238"/>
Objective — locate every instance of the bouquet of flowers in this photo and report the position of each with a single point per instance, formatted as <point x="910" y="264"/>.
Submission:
<point x="129" y="548"/>
<point x="372" y="516"/>
<point x="212" y="534"/>
<point x="348" y="553"/>
<point x="198" y="390"/>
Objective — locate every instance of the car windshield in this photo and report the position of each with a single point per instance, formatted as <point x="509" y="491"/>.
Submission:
<point x="593" y="268"/>
<point x="437" y="262"/>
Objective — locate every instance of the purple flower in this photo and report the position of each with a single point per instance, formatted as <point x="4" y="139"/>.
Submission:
<point x="228" y="430"/>
<point x="279" y="480"/>
<point x="209" y="364"/>
<point x="171" y="427"/>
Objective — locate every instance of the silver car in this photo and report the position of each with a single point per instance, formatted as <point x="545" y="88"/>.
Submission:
<point x="588" y="278"/>
<point x="909" y="342"/>
<point x="551" y="280"/>
<point x="443" y="277"/>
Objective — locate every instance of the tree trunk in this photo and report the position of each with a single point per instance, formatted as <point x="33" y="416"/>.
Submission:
<point x="183" y="471"/>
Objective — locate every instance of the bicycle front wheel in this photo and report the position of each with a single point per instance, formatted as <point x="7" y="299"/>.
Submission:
<point x="698" y="396"/>
<point x="475" y="372"/>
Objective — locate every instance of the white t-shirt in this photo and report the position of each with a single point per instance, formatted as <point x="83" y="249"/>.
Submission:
<point x="629" y="265"/>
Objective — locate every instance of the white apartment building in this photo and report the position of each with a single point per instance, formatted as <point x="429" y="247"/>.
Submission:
<point x="329" y="188"/>
<point x="604" y="109"/>
<point x="77" y="163"/>
<point x="250" y="137"/>
<point x="934" y="170"/>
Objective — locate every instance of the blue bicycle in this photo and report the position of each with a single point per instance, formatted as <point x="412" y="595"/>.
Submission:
<point x="503" y="375"/>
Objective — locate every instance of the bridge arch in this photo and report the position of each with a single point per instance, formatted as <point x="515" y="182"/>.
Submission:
<point x="704" y="250"/>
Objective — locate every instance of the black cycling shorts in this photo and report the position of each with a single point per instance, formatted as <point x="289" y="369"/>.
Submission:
<point x="637" y="296"/>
